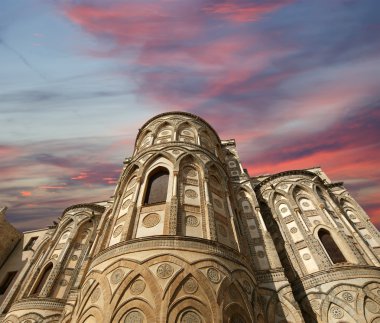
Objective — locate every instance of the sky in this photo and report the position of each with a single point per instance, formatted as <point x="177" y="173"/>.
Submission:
<point x="296" y="83"/>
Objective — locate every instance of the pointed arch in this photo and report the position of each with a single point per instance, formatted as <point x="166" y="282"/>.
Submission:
<point x="187" y="133"/>
<point x="330" y="246"/>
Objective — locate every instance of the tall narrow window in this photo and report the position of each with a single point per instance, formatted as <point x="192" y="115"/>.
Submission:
<point x="157" y="187"/>
<point x="43" y="278"/>
<point x="7" y="281"/>
<point x="332" y="249"/>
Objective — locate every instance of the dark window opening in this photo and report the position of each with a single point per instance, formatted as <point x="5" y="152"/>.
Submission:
<point x="43" y="278"/>
<point x="157" y="187"/>
<point x="331" y="248"/>
<point x="30" y="244"/>
<point x="7" y="281"/>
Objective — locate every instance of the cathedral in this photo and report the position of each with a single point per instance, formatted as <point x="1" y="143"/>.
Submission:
<point x="190" y="237"/>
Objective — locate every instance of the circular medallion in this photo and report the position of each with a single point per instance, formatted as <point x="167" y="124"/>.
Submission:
<point x="95" y="295"/>
<point x="187" y="133"/>
<point x="305" y="204"/>
<point x="293" y="230"/>
<point x="347" y="297"/>
<point x="283" y="186"/>
<point x="218" y="204"/>
<point x="192" y="221"/>
<point x="203" y="157"/>
<point x="176" y="151"/>
<point x="284" y="210"/>
<point x="55" y="256"/>
<point x="126" y="204"/>
<point x="190" y="286"/>
<point x="151" y="220"/>
<point x="74" y="257"/>
<point x="134" y="317"/>
<point x="165" y="133"/>
<point x="340" y="225"/>
<point x="191" y="194"/>
<point x="231" y="164"/>
<point x="222" y="230"/>
<point x="65" y="236"/>
<point x="372" y="307"/>
<point x="306" y="256"/>
<point x="316" y="222"/>
<point x="165" y="270"/>
<point x="117" y="231"/>
<point x="63" y="282"/>
<point x="137" y="287"/>
<point x="213" y="275"/>
<point x="117" y="276"/>
<point x="352" y="216"/>
<point x="336" y="312"/>
<point x="260" y="254"/>
<point x="190" y="317"/>
<point x="367" y="237"/>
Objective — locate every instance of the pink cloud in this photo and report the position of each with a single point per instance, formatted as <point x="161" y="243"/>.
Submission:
<point x="26" y="193"/>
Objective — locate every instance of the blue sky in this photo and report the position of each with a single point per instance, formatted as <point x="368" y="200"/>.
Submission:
<point x="295" y="82"/>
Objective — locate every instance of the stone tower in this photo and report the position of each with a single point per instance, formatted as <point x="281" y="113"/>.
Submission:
<point x="190" y="237"/>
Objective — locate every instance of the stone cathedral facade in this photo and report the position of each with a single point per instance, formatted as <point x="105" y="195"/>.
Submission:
<point x="190" y="237"/>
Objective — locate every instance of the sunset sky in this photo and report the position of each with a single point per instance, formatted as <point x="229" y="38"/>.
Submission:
<point x="296" y="83"/>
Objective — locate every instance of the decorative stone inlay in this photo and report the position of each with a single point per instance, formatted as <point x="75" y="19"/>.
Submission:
<point x="165" y="271"/>
<point x="65" y="236"/>
<point x="218" y="203"/>
<point x="348" y="297"/>
<point x="305" y="204"/>
<point x="293" y="230"/>
<point x="55" y="256"/>
<point x="151" y="220"/>
<point x="247" y="286"/>
<point x="117" y="276"/>
<point x="192" y="221"/>
<point x="260" y="254"/>
<point x="190" y="286"/>
<point x="95" y="295"/>
<point x="340" y="225"/>
<point x="187" y="133"/>
<point x="74" y="257"/>
<point x="203" y="157"/>
<point x="222" y="230"/>
<point x="367" y="237"/>
<point x="213" y="275"/>
<point x="191" y="317"/>
<point x="190" y="172"/>
<point x="316" y="222"/>
<point x="137" y="287"/>
<point x="126" y="204"/>
<point x="372" y="307"/>
<point x="336" y="312"/>
<point x="352" y="216"/>
<point x="176" y="152"/>
<point x="284" y="210"/>
<point x="63" y="282"/>
<point x="306" y="256"/>
<point x="283" y="186"/>
<point x="165" y="133"/>
<point x="134" y="317"/>
<point x="117" y="231"/>
<point x="191" y="194"/>
<point x="315" y="305"/>
<point x="378" y="292"/>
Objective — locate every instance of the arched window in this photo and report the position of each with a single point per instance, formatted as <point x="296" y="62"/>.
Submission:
<point x="43" y="278"/>
<point x="157" y="187"/>
<point x="332" y="249"/>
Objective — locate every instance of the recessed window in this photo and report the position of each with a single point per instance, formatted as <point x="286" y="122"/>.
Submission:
<point x="157" y="187"/>
<point x="43" y="279"/>
<point x="30" y="244"/>
<point x="331" y="247"/>
<point x="7" y="281"/>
